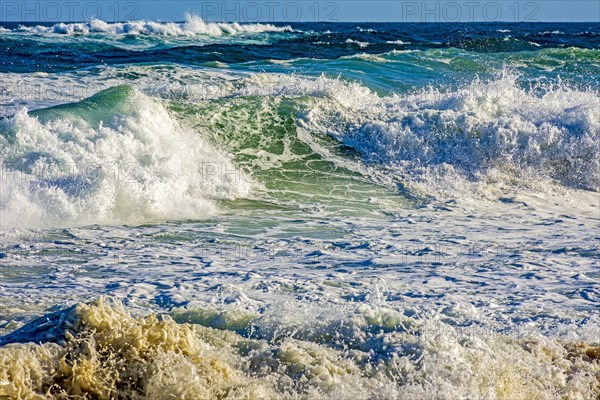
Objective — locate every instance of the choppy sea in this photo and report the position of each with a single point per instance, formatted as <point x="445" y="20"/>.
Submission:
<point x="300" y="211"/>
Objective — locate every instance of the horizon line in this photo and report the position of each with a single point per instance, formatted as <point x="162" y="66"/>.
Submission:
<point x="308" y="22"/>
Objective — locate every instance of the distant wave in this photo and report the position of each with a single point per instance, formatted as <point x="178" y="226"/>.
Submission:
<point x="357" y="42"/>
<point x="192" y="26"/>
<point x="396" y="42"/>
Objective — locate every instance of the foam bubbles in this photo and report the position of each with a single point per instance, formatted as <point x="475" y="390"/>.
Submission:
<point x="109" y="160"/>
<point x="104" y="352"/>
<point x="473" y="138"/>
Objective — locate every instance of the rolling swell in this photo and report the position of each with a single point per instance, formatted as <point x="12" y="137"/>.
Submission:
<point x="97" y="42"/>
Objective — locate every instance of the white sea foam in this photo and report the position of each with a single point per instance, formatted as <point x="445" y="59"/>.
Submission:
<point x="366" y="57"/>
<point x="492" y="133"/>
<point x="135" y="165"/>
<point x="478" y="138"/>
<point x="360" y="44"/>
<point x="396" y="42"/>
<point x="192" y="26"/>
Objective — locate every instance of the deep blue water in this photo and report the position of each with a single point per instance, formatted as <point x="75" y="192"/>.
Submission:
<point x="28" y="53"/>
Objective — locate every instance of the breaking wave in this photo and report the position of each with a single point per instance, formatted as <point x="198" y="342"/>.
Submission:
<point x="192" y="26"/>
<point x="486" y="134"/>
<point x="117" y="157"/>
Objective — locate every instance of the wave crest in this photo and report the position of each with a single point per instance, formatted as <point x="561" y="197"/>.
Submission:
<point x="192" y="26"/>
<point x="494" y="133"/>
<point x="117" y="157"/>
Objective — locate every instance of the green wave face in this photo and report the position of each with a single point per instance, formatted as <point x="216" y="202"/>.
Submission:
<point x="118" y="152"/>
<point x="102" y="106"/>
<point x="294" y="169"/>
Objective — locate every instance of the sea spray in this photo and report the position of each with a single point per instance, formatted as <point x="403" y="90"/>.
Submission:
<point x="118" y="157"/>
<point x="476" y="139"/>
<point x="192" y="26"/>
<point x="103" y="351"/>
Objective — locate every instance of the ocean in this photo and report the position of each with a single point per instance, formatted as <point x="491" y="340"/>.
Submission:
<point x="201" y="210"/>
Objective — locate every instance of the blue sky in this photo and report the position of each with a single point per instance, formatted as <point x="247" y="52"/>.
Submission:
<point x="304" y="10"/>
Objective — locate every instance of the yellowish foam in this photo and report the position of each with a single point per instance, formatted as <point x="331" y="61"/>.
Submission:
<point x="105" y="353"/>
<point x="109" y="354"/>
